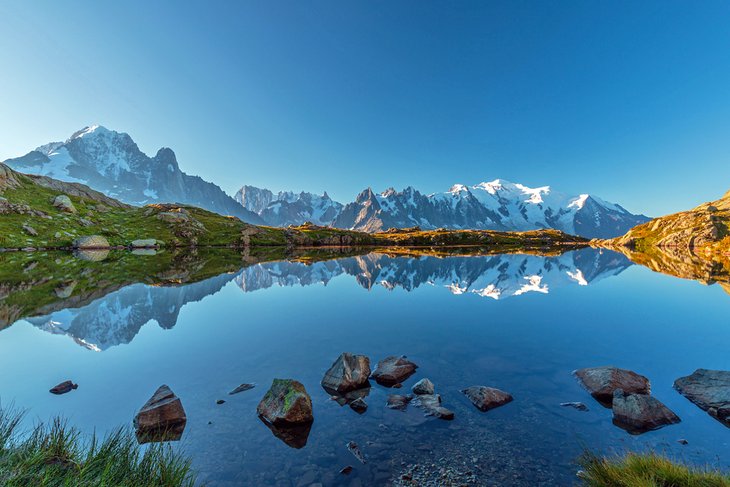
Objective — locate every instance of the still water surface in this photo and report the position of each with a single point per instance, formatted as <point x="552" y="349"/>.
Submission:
<point x="520" y="323"/>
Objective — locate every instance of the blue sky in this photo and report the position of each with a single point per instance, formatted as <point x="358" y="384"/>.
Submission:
<point x="626" y="100"/>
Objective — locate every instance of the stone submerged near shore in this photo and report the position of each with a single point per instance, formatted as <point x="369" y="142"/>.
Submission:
<point x="286" y="409"/>
<point x="486" y="398"/>
<point x="162" y="418"/>
<point x="709" y="390"/>
<point x="628" y="395"/>
<point x="393" y="370"/>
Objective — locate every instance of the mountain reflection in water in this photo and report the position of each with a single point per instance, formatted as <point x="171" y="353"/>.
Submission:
<point x="117" y="317"/>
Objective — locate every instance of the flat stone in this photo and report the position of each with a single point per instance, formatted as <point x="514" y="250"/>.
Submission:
<point x="144" y="243"/>
<point x="393" y="370"/>
<point x="709" y="390"/>
<point x="242" y="388"/>
<point x="64" y="387"/>
<point x="575" y="405"/>
<point x="602" y="381"/>
<point x="639" y="413"/>
<point x="355" y="450"/>
<point x="486" y="398"/>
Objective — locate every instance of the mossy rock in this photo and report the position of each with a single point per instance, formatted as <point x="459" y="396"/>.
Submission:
<point x="286" y="403"/>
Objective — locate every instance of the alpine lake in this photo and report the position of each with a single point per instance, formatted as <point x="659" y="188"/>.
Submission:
<point x="121" y="324"/>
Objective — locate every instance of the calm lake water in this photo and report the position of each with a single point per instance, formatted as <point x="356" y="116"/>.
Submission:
<point x="521" y="323"/>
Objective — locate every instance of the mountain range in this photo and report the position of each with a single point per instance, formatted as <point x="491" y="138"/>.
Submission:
<point x="112" y="163"/>
<point x="496" y="205"/>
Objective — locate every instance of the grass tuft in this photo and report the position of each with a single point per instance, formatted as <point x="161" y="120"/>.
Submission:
<point x="646" y="470"/>
<point x="58" y="455"/>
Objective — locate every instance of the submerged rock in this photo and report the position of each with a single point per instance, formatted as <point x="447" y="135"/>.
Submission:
<point x="486" y="398"/>
<point x="396" y="401"/>
<point x="286" y="403"/>
<point x="346" y="470"/>
<point x="709" y="390"/>
<point x="349" y="397"/>
<point x="639" y="413"/>
<point x="91" y="242"/>
<point x="64" y="387"/>
<point x="431" y="405"/>
<point x="348" y="373"/>
<point x="355" y="450"/>
<point x="242" y="388"/>
<point x="575" y="405"/>
<point x="423" y="386"/>
<point x="602" y="381"/>
<point x="162" y="418"/>
<point x="393" y="370"/>
<point x="359" y="405"/>
<point x="294" y="436"/>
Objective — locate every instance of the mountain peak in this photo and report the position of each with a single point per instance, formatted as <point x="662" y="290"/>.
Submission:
<point x="90" y="129"/>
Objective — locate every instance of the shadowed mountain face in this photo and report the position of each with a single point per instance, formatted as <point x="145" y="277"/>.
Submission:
<point x="115" y="317"/>
<point x="496" y="205"/>
<point x="111" y="162"/>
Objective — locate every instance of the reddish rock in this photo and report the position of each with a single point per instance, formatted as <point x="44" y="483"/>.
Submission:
<point x="602" y="381"/>
<point x="486" y="398"/>
<point x="162" y="418"/>
<point x="348" y="373"/>
<point x="639" y="413"/>
<point x="64" y="387"/>
<point x="393" y="370"/>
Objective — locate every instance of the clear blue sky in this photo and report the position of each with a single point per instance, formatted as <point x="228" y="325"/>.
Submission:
<point x="626" y="100"/>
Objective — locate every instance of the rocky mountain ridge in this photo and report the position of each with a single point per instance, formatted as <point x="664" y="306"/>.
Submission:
<point x="496" y="205"/>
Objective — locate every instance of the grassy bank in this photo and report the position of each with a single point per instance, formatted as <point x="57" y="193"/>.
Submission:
<point x="646" y="470"/>
<point x="58" y="455"/>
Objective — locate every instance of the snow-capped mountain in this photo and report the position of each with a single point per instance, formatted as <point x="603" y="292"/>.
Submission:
<point x="495" y="205"/>
<point x="289" y="208"/>
<point x="111" y="162"/>
<point x="496" y="277"/>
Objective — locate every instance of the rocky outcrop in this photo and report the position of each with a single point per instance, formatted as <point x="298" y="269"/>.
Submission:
<point x="601" y="382"/>
<point x="348" y="373"/>
<point x="709" y="390"/>
<point x="486" y="398"/>
<point x="285" y="404"/>
<point x="162" y="418"/>
<point x="639" y="413"/>
<point x="91" y="242"/>
<point x="393" y="370"/>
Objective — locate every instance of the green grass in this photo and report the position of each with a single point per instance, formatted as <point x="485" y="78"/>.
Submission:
<point x="58" y="455"/>
<point x="646" y="470"/>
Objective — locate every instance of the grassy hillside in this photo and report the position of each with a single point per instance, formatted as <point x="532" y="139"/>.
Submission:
<point x="43" y="213"/>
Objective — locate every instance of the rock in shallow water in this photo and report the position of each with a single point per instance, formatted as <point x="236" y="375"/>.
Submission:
<point x="396" y="401"/>
<point x="286" y="403"/>
<point x="431" y="405"/>
<point x="602" y="381"/>
<point x="639" y="413"/>
<point x="423" y="386"/>
<point x="486" y="398"/>
<point x="162" y="418"/>
<point x="242" y="388"/>
<point x="64" y="387"/>
<point x="708" y="389"/>
<point x="348" y="373"/>
<point x="575" y="405"/>
<point x="393" y="370"/>
<point x="359" y="405"/>
<point x="355" y="450"/>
